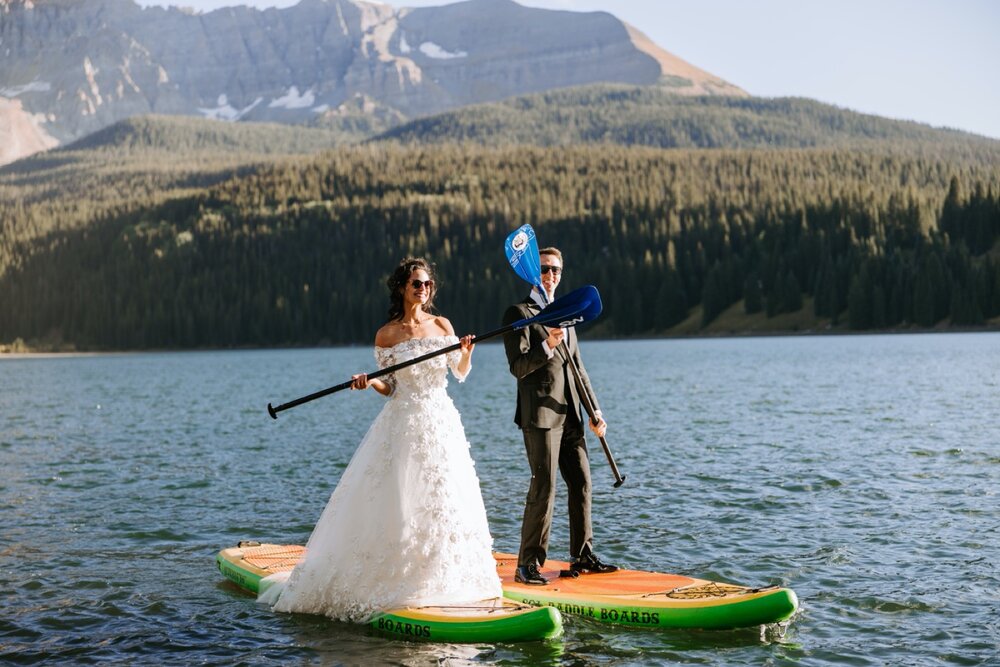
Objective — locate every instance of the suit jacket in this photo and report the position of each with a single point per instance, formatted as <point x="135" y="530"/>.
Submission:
<point x="546" y="390"/>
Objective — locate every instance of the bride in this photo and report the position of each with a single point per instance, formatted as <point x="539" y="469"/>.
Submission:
<point x="406" y="525"/>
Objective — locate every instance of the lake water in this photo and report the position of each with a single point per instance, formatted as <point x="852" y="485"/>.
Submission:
<point x="861" y="471"/>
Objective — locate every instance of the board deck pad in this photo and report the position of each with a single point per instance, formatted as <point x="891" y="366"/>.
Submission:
<point x="274" y="557"/>
<point x="650" y="599"/>
<point x="497" y="620"/>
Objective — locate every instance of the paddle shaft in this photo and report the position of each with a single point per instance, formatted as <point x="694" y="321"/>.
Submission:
<point x="273" y="411"/>
<point x="592" y="413"/>
<point x="580" y="305"/>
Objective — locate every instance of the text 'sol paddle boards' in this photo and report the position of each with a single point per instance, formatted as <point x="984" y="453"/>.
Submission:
<point x="650" y="599"/>
<point x="496" y="620"/>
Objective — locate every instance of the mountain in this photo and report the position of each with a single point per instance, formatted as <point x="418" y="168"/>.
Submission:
<point x="652" y="116"/>
<point x="72" y="67"/>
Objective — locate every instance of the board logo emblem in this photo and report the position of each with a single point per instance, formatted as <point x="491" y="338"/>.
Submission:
<point x="572" y="322"/>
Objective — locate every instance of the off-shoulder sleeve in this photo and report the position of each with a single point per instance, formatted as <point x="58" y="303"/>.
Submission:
<point x="384" y="357"/>
<point x="454" y="357"/>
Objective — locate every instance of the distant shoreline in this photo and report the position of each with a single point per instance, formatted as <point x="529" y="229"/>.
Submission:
<point x="993" y="327"/>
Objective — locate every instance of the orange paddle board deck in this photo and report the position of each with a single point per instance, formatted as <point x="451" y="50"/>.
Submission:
<point x="650" y="599"/>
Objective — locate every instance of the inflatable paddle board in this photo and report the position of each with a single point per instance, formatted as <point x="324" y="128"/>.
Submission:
<point x="492" y="621"/>
<point x="650" y="599"/>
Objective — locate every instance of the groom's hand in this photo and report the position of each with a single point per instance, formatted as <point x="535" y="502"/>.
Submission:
<point x="556" y="336"/>
<point x="600" y="428"/>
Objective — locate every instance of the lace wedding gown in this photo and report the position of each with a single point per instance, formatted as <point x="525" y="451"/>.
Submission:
<point x="406" y="525"/>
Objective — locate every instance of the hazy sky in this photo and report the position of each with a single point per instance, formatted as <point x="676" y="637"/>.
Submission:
<point x="933" y="61"/>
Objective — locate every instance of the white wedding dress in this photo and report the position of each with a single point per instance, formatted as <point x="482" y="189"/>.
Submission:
<point x="406" y="525"/>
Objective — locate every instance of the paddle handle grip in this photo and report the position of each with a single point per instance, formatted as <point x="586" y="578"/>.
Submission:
<point x="619" y="478"/>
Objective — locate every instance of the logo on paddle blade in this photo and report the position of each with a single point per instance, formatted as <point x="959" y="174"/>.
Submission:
<point x="520" y="242"/>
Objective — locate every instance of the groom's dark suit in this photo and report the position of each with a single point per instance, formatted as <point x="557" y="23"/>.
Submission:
<point x="548" y="413"/>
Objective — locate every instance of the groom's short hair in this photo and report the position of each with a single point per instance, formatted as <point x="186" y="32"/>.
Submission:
<point x="551" y="251"/>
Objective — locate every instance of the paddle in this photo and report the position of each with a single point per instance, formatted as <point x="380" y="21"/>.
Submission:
<point x="578" y="306"/>
<point x="522" y="253"/>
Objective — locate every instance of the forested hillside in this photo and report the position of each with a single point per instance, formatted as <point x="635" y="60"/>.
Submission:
<point x="186" y="136"/>
<point x="297" y="253"/>
<point x="132" y="165"/>
<point x="651" y="116"/>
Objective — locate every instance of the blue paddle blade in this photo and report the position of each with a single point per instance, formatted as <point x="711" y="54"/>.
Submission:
<point x="579" y="306"/>
<point x="522" y="253"/>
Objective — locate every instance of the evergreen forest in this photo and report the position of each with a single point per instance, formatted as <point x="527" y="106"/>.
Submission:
<point x="157" y="247"/>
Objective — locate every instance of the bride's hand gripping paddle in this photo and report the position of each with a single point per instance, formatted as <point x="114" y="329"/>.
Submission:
<point x="577" y="307"/>
<point x="521" y="247"/>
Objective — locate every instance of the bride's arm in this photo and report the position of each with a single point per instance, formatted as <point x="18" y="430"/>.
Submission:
<point x="384" y="358"/>
<point x="460" y="361"/>
<point x="464" y="364"/>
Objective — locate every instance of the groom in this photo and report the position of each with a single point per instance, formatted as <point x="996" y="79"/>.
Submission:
<point x="548" y="414"/>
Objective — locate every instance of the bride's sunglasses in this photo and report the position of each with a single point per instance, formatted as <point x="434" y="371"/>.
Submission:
<point x="417" y="284"/>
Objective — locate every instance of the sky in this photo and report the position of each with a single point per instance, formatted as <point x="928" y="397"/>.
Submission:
<point x="932" y="61"/>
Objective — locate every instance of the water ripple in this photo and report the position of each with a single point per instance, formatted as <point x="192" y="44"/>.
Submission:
<point x="858" y="470"/>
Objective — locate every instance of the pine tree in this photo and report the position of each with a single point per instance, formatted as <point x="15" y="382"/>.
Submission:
<point x="753" y="295"/>
<point x="860" y="300"/>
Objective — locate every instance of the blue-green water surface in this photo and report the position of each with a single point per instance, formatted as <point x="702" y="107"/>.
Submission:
<point x="861" y="471"/>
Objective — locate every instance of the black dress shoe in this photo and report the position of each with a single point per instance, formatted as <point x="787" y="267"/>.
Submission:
<point x="591" y="564"/>
<point x="529" y="574"/>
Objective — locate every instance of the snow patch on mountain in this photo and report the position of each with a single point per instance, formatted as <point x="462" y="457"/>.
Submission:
<point x="293" y="100"/>
<point x="432" y="50"/>
<point x="225" y="111"/>
<point x="33" y="87"/>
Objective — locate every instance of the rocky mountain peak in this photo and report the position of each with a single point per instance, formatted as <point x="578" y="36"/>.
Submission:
<point x="71" y="67"/>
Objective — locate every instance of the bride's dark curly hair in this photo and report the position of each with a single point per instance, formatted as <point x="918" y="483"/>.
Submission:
<point x="397" y="281"/>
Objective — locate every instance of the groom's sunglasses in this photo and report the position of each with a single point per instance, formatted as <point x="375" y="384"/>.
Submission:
<point x="554" y="269"/>
<point x="417" y="284"/>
